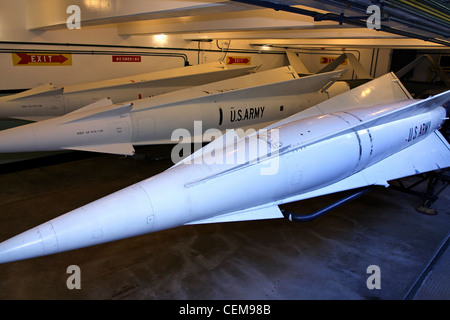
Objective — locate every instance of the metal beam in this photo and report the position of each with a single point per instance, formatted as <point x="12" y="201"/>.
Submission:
<point x="52" y="14"/>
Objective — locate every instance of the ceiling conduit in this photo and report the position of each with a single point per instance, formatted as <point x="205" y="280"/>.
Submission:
<point x="428" y="16"/>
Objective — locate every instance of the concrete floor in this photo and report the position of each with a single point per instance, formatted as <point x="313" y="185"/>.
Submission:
<point x="272" y="259"/>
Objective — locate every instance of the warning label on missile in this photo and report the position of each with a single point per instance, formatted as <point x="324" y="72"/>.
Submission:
<point x="239" y="60"/>
<point x="41" y="59"/>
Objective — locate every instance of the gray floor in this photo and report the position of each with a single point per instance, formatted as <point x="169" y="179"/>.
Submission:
<point x="273" y="259"/>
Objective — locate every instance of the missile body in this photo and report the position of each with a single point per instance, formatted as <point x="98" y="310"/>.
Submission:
<point x="247" y="101"/>
<point x="47" y="101"/>
<point x="247" y="178"/>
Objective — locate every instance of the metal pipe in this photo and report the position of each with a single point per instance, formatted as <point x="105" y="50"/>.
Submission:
<point x="309" y="217"/>
<point x="123" y="46"/>
<point x="349" y="20"/>
<point x="415" y="7"/>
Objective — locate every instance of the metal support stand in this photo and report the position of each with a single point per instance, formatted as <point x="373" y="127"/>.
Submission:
<point x="430" y="195"/>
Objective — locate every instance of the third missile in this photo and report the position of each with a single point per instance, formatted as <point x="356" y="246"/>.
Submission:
<point x="48" y="101"/>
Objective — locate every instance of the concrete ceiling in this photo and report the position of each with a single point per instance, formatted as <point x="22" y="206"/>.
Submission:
<point x="293" y="23"/>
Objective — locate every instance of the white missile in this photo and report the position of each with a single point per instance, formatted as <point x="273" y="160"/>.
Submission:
<point x="250" y="100"/>
<point x="48" y="101"/>
<point x="354" y="145"/>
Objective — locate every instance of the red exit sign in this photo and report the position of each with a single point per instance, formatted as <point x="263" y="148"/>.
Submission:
<point x="239" y="60"/>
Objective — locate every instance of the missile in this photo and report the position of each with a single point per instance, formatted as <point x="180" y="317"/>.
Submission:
<point x="48" y="101"/>
<point x="250" y="100"/>
<point x="310" y="154"/>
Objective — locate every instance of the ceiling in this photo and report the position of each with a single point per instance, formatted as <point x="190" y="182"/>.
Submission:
<point x="288" y="23"/>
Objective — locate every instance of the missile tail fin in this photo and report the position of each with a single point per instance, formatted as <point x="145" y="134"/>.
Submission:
<point x="409" y="109"/>
<point x="256" y="213"/>
<point x="46" y="89"/>
<point x="383" y="90"/>
<point x="297" y="63"/>
<point x="334" y="64"/>
<point x="415" y="107"/>
<point x="97" y="104"/>
<point x="359" y="70"/>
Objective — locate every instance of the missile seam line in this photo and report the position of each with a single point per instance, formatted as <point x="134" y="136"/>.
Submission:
<point x="360" y="147"/>
<point x="220" y="116"/>
<point x="151" y="204"/>
<point x="359" y="137"/>
<point x="42" y="241"/>
<point x="55" y="236"/>
<point x="355" y="132"/>
<point x="349" y="113"/>
<point x="367" y="129"/>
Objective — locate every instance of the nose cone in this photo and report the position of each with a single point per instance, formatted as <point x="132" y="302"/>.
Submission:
<point x="18" y="139"/>
<point x="125" y="213"/>
<point x="32" y="243"/>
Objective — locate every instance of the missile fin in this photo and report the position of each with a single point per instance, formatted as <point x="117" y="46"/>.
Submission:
<point x="206" y="70"/>
<point x="297" y="63"/>
<point x="46" y="89"/>
<point x="97" y="104"/>
<point x="255" y="213"/>
<point x="383" y="90"/>
<point x="114" y="148"/>
<point x="359" y="70"/>
<point x="415" y="107"/>
<point x="30" y="118"/>
<point x="307" y="84"/>
<point x="333" y="65"/>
